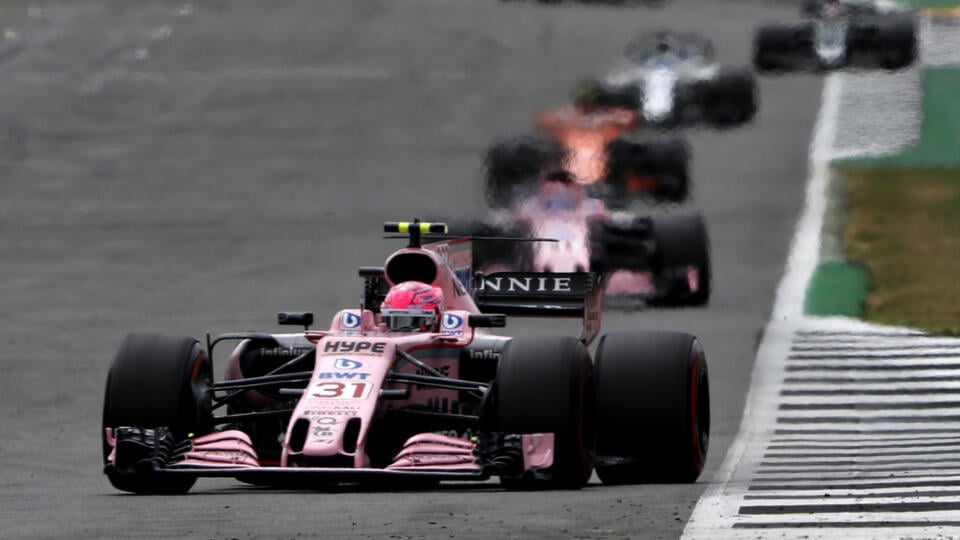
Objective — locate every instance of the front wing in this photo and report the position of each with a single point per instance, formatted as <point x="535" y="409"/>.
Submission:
<point x="230" y="454"/>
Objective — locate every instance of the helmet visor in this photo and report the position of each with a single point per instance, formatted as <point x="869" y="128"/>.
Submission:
<point x="408" y="320"/>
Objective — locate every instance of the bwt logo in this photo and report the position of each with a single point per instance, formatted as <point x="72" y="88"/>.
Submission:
<point x="350" y="320"/>
<point x="368" y="347"/>
<point x="452" y="322"/>
<point x="347" y="363"/>
<point x="338" y="375"/>
<point x="527" y="284"/>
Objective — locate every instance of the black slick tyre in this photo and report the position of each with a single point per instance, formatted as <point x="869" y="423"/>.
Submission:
<point x="770" y="45"/>
<point x="681" y="242"/>
<point x="653" y="408"/>
<point x="157" y="381"/>
<point x="673" y="161"/>
<point x="900" y="39"/>
<point x="513" y="167"/>
<point x="731" y="99"/>
<point x="544" y="384"/>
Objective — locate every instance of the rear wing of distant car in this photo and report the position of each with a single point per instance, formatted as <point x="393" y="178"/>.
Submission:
<point x="542" y="294"/>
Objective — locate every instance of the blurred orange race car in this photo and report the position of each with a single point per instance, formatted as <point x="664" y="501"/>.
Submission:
<point x="591" y="144"/>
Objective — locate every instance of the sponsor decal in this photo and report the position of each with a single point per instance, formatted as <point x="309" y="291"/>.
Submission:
<point x="333" y="411"/>
<point x="320" y="430"/>
<point x="341" y="390"/>
<point x="338" y="375"/>
<point x="452" y="325"/>
<point x="347" y="363"/>
<point x="444" y="370"/>
<point x="485" y="354"/>
<point x="356" y="347"/>
<point x="350" y="320"/>
<point x="527" y="284"/>
<point x="282" y="352"/>
<point x="467" y="434"/>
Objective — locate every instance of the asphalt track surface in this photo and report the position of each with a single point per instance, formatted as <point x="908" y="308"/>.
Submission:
<point x="187" y="168"/>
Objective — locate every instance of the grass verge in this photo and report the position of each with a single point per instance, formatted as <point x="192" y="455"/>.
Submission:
<point x="903" y="226"/>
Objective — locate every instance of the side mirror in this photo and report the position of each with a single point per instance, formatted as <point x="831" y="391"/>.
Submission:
<point x="295" y="318"/>
<point x="488" y="320"/>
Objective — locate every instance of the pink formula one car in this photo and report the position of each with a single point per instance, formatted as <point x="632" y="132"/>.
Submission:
<point x="412" y="386"/>
<point x="661" y="259"/>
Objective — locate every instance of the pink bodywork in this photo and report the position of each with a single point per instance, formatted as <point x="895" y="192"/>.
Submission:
<point x="353" y="359"/>
<point x="570" y="227"/>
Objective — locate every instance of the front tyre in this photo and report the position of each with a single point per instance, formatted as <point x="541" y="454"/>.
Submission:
<point x="653" y="407"/>
<point x="544" y="384"/>
<point x="157" y="381"/>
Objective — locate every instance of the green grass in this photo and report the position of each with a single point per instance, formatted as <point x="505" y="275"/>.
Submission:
<point x="903" y="226"/>
<point x="931" y="3"/>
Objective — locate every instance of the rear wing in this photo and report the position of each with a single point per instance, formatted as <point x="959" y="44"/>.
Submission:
<point x="542" y="294"/>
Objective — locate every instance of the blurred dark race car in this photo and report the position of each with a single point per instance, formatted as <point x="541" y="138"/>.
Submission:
<point x="672" y="79"/>
<point x="410" y="387"/>
<point x="594" y="144"/>
<point x="660" y="260"/>
<point x="840" y="34"/>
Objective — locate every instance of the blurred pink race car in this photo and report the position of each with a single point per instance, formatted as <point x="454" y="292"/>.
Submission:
<point x="661" y="259"/>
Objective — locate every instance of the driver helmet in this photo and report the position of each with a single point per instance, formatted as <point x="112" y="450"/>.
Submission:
<point x="413" y="306"/>
<point x="559" y="190"/>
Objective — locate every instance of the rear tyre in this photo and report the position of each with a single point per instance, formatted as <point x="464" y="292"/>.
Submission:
<point x="731" y="99"/>
<point x="900" y="40"/>
<point x="513" y="166"/>
<point x="664" y="163"/>
<point x="673" y="161"/>
<point x="545" y="385"/>
<point x="603" y="96"/>
<point x="157" y="381"/>
<point x="653" y="407"/>
<point x="681" y="242"/>
<point x="770" y="45"/>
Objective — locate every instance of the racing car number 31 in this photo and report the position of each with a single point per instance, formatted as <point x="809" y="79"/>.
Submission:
<point x="341" y="390"/>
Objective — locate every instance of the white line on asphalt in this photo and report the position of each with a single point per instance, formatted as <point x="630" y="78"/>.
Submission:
<point x="805" y="251"/>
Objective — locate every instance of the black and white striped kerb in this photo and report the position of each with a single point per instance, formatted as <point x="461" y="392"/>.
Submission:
<point x="863" y="441"/>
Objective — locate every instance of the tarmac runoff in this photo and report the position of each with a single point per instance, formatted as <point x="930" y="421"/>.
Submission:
<point x="849" y="428"/>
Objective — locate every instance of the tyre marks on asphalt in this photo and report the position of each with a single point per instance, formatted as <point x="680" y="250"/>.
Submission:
<point x="859" y="437"/>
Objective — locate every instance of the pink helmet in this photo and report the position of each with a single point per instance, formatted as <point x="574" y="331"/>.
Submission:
<point x="412" y="306"/>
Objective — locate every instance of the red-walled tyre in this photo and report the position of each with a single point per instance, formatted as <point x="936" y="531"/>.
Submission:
<point x="653" y="408"/>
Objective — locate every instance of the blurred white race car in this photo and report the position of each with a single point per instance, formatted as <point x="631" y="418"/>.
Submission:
<point x="672" y="79"/>
<point x="839" y="34"/>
